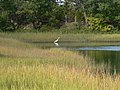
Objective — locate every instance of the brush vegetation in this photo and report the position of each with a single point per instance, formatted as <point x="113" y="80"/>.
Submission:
<point x="23" y="66"/>
<point x="88" y="16"/>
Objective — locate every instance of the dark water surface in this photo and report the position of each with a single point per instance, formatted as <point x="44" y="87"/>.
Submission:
<point x="110" y="59"/>
<point x="102" y="53"/>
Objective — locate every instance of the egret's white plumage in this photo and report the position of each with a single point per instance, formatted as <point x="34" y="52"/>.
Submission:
<point x="56" y="41"/>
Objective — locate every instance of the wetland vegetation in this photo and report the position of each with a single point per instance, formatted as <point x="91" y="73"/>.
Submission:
<point x="26" y="66"/>
<point x="83" y="59"/>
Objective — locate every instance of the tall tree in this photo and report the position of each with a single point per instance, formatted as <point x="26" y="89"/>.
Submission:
<point x="80" y="4"/>
<point x="8" y="9"/>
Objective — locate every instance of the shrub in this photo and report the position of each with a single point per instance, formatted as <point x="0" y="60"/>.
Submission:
<point x="70" y="26"/>
<point x="45" y="28"/>
<point x="98" y="24"/>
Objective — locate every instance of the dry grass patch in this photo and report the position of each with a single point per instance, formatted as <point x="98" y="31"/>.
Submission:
<point x="52" y="77"/>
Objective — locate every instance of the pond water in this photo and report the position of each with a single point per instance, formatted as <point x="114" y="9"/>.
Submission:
<point x="107" y="54"/>
<point x="101" y="48"/>
<point x="110" y="59"/>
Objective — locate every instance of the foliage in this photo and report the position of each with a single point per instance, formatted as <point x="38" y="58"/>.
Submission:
<point x="70" y="26"/>
<point x="98" y="24"/>
<point x="101" y="15"/>
<point x="108" y="10"/>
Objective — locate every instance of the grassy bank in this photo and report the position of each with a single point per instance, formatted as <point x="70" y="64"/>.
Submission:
<point x="50" y="37"/>
<point x="26" y="67"/>
<point x="26" y="74"/>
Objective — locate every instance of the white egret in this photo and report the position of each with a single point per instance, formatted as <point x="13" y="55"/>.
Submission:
<point x="56" y="41"/>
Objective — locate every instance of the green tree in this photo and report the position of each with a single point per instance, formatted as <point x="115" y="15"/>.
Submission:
<point x="7" y="9"/>
<point x="108" y="10"/>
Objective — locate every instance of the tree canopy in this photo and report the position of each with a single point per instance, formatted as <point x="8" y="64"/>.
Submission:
<point x="96" y="15"/>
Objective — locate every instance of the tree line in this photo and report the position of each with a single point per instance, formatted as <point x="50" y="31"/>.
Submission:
<point x="94" y="15"/>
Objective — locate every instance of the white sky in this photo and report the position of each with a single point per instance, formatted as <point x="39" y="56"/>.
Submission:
<point x="59" y="0"/>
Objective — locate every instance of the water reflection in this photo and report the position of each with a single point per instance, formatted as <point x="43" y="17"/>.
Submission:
<point x="111" y="59"/>
<point x="102" y="53"/>
<point x="56" y="44"/>
<point x="105" y="48"/>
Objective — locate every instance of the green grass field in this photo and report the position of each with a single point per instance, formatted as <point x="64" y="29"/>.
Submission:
<point x="23" y="66"/>
<point x="50" y="37"/>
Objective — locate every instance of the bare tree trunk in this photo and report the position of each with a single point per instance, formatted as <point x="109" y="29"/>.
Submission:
<point x="66" y="21"/>
<point x="75" y="19"/>
<point x="84" y="13"/>
<point x="80" y="2"/>
<point x="66" y="10"/>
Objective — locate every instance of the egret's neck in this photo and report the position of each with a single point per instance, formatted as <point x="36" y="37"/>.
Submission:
<point x="58" y="38"/>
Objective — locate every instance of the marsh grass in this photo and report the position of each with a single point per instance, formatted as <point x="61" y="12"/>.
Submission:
<point x="31" y="74"/>
<point x="26" y="67"/>
<point x="50" y="37"/>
